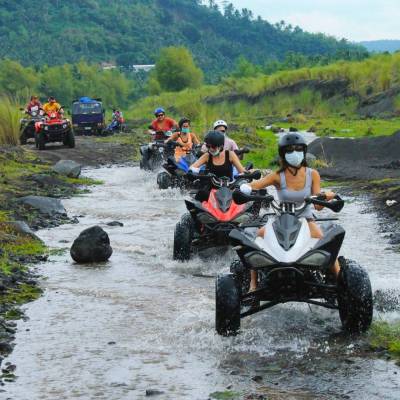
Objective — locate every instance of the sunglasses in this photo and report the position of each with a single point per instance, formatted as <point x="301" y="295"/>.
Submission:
<point x="210" y="146"/>
<point x="160" y="115"/>
<point x="291" y="149"/>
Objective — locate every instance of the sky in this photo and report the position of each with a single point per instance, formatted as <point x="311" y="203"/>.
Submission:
<point x="355" y="20"/>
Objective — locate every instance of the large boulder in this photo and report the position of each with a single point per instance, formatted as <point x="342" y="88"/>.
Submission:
<point x="45" y="205"/>
<point x="92" y="245"/>
<point x="68" y="168"/>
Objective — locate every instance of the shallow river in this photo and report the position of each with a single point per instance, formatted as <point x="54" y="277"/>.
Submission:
<point x="142" y="321"/>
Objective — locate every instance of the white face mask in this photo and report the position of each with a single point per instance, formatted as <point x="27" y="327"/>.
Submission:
<point x="214" y="153"/>
<point x="295" y="158"/>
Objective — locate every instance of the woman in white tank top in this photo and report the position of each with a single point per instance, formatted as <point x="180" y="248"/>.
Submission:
<point x="294" y="181"/>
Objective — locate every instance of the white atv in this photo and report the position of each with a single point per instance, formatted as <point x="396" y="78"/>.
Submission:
<point x="292" y="266"/>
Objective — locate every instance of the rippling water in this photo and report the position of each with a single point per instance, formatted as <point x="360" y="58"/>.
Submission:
<point x="142" y="321"/>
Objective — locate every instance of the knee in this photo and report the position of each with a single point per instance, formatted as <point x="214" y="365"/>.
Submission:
<point x="261" y="232"/>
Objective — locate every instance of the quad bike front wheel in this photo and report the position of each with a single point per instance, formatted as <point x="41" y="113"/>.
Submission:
<point x="227" y="305"/>
<point x="41" y="141"/>
<point x="70" y="139"/>
<point x="183" y="237"/>
<point x="241" y="276"/>
<point x="355" y="298"/>
<point x="163" y="180"/>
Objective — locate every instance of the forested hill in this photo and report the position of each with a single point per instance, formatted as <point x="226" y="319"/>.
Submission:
<point x="132" y="31"/>
<point x="382" y="45"/>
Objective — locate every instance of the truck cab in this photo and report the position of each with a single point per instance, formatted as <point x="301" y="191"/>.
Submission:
<point x="88" y="116"/>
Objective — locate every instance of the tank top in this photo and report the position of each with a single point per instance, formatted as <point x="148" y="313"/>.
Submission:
<point x="297" y="196"/>
<point x="221" y="170"/>
<point x="187" y="146"/>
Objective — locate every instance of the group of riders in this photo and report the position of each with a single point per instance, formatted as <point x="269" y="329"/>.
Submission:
<point x="53" y="109"/>
<point x="294" y="180"/>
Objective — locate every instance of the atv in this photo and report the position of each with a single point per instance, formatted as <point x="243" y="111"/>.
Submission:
<point x="54" y="129"/>
<point x="209" y="220"/>
<point x="154" y="153"/>
<point x="27" y="125"/>
<point x="292" y="266"/>
<point x="175" y="174"/>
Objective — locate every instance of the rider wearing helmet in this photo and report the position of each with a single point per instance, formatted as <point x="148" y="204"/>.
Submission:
<point x="52" y="106"/>
<point x="218" y="161"/>
<point x="34" y="104"/>
<point x="184" y="138"/>
<point x="294" y="181"/>
<point x="221" y="126"/>
<point x="162" y="123"/>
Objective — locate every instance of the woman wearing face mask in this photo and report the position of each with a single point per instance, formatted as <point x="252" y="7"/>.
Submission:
<point x="185" y="139"/>
<point x="218" y="161"/>
<point x="294" y="181"/>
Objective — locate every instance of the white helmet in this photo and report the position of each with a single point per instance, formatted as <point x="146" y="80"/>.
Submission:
<point x="220" y="122"/>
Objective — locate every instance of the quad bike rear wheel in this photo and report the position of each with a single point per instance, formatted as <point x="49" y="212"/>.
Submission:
<point x="355" y="298"/>
<point x="227" y="305"/>
<point x="163" y="180"/>
<point x="183" y="237"/>
<point x="22" y="138"/>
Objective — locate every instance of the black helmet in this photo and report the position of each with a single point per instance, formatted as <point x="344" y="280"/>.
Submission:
<point x="291" y="139"/>
<point x="215" y="139"/>
<point x="183" y="121"/>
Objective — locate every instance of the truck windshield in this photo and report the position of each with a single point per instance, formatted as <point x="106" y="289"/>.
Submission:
<point x="86" y="108"/>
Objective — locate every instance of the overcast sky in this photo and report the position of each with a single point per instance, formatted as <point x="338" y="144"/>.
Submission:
<point x="355" y="20"/>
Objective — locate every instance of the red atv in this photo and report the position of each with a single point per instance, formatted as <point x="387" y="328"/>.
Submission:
<point x="209" y="222"/>
<point x="54" y="128"/>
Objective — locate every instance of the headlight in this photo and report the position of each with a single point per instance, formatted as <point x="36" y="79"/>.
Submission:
<point x="46" y="128"/>
<point x="99" y="124"/>
<point x="259" y="260"/>
<point x="205" y="218"/>
<point x="315" y="259"/>
<point x="65" y="125"/>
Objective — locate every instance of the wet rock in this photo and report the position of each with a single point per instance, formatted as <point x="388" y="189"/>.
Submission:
<point x="293" y="129"/>
<point x="115" y="223"/>
<point x="23" y="227"/>
<point x="45" y="205"/>
<point x="111" y="343"/>
<point x="68" y="168"/>
<point x="153" y="392"/>
<point x="5" y="348"/>
<point x="92" y="245"/>
<point x="257" y="378"/>
<point x="394" y="238"/>
<point x="310" y="158"/>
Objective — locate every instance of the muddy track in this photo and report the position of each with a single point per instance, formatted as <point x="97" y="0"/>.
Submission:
<point x="88" y="152"/>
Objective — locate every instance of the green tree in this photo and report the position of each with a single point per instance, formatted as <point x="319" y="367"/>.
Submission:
<point x="244" y="68"/>
<point x="175" y="70"/>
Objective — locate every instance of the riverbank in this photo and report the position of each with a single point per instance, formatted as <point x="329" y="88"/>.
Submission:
<point x="28" y="172"/>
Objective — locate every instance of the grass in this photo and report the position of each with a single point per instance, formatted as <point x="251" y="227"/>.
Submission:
<point x="384" y="335"/>
<point x="9" y="121"/>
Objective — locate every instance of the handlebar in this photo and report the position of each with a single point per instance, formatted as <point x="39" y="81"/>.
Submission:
<point x="335" y="205"/>
<point x="242" y="151"/>
<point x="218" y="180"/>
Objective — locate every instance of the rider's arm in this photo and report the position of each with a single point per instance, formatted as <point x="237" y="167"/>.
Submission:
<point x="201" y="161"/>
<point x="195" y="139"/>
<point x="316" y="188"/>
<point x="174" y="136"/>
<point x="236" y="162"/>
<point x="269" y="180"/>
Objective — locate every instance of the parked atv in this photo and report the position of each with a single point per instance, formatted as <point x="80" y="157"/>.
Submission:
<point x="117" y="125"/>
<point x="27" y="125"/>
<point x="208" y="222"/>
<point x="54" y="129"/>
<point x="156" y="152"/>
<point x="292" y="266"/>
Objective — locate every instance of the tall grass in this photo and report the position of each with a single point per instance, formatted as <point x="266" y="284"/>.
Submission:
<point x="9" y="121"/>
